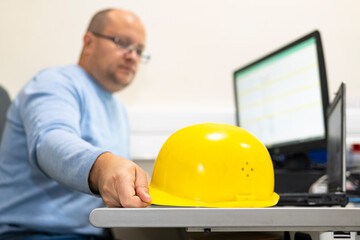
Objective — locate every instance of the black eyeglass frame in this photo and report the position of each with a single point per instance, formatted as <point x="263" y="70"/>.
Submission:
<point x="124" y="45"/>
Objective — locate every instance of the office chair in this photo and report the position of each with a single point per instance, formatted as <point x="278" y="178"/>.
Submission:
<point x="4" y="105"/>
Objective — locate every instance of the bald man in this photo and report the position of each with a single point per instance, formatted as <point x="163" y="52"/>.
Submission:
<point x="65" y="147"/>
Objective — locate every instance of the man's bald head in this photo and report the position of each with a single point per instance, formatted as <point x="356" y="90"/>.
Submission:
<point x="99" y="21"/>
<point x="102" y="18"/>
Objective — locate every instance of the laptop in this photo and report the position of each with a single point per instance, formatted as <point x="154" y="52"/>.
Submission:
<point x="336" y="161"/>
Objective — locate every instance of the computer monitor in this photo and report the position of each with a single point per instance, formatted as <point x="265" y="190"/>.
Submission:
<point x="282" y="98"/>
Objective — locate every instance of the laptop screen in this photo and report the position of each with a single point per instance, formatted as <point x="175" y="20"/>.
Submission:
<point x="336" y="160"/>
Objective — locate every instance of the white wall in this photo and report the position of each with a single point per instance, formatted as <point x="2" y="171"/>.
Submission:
<point x="195" y="46"/>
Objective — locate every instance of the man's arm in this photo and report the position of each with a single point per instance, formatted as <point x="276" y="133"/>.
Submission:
<point x="120" y="182"/>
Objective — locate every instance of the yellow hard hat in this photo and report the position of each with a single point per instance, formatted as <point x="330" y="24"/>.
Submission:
<point x="213" y="165"/>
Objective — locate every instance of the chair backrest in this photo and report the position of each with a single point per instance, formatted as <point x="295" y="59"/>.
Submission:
<point x="4" y="105"/>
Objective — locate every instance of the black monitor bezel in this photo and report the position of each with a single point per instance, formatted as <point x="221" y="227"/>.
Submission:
<point x="296" y="147"/>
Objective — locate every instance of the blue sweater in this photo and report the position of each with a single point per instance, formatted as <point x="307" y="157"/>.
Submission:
<point x="57" y="126"/>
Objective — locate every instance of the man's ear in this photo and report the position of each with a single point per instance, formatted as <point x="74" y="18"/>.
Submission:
<point x="88" y="41"/>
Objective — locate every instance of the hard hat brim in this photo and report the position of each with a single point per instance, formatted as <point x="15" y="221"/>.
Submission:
<point x="160" y="197"/>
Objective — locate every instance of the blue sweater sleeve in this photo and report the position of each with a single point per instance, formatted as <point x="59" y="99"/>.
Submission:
<point x="51" y="112"/>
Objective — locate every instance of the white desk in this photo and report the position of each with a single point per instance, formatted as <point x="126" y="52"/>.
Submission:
<point x="325" y="221"/>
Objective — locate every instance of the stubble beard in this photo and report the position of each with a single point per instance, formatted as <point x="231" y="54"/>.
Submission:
<point x="120" y="82"/>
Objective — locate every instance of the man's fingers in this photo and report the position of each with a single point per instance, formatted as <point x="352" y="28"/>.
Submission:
<point x="110" y="195"/>
<point x="141" y="186"/>
<point x="127" y="194"/>
<point x="112" y="203"/>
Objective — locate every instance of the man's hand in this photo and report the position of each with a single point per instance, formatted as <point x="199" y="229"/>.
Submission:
<point x="120" y="182"/>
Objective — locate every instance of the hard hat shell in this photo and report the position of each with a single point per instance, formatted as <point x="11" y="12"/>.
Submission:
<point x="213" y="165"/>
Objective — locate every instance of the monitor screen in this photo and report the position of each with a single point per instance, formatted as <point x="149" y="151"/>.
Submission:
<point x="282" y="98"/>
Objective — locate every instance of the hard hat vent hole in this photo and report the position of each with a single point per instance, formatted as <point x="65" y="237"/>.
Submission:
<point x="247" y="169"/>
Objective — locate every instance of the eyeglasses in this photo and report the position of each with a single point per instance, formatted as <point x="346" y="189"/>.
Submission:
<point x="125" y="45"/>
